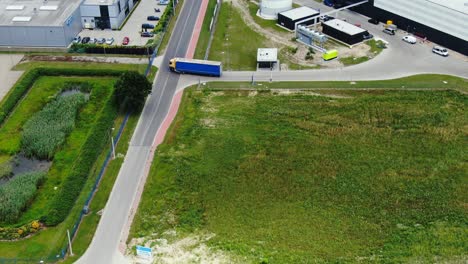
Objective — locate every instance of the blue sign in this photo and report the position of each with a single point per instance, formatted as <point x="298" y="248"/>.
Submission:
<point x="144" y="252"/>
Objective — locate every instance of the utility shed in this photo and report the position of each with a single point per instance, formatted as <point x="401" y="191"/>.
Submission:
<point x="266" y="58"/>
<point x="343" y="31"/>
<point x="288" y="19"/>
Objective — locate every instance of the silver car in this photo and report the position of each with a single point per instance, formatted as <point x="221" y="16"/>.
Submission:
<point x="109" y="41"/>
<point x="440" y="50"/>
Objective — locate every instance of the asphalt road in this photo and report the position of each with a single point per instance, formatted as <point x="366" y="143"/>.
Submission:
<point x="104" y="247"/>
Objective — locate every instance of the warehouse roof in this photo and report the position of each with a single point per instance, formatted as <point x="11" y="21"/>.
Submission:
<point x="36" y="12"/>
<point x="457" y="5"/>
<point x="343" y="26"/>
<point x="99" y="2"/>
<point x="300" y="12"/>
<point x="267" y="55"/>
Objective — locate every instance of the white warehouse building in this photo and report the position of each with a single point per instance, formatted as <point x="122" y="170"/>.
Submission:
<point x="54" y="23"/>
<point x="269" y="9"/>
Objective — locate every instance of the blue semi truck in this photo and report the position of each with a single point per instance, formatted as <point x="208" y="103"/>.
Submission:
<point x="199" y="67"/>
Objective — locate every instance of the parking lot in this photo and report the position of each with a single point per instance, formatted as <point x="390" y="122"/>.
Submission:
<point x="132" y="28"/>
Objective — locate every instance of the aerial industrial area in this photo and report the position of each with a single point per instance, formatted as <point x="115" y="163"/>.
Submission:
<point x="233" y="131"/>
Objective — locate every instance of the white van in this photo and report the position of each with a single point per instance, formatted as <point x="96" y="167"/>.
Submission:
<point x="439" y="50"/>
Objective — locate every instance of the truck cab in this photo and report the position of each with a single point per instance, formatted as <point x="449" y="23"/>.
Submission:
<point x="172" y="64"/>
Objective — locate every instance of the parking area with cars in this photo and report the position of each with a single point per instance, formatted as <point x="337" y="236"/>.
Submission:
<point x="147" y="13"/>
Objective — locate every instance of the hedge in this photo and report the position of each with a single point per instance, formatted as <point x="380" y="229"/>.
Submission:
<point x="164" y="20"/>
<point x="100" y="49"/>
<point x="73" y="184"/>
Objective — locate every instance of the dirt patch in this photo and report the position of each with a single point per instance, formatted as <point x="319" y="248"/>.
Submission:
<point x="170" y="250"/>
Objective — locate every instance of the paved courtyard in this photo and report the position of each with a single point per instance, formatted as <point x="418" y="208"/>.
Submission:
<point x="132" y="28"/>
<point x="7" y="76"/>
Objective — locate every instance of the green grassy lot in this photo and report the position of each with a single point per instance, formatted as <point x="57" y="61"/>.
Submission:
<point x="353" y="60"/>
<point x="235" y="44"/>
<point x="423" y="81"/>
<point x="205" y="33"/>
<point x="369" y="176"/>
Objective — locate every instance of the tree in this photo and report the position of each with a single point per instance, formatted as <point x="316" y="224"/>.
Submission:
<point x="131" y="90"/>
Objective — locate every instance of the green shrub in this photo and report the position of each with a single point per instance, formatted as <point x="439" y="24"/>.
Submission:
<point x="6" y="169"/>
<point x="164" y="20"/>
<point x="10" y="233"/>
<point x="17" y="193"/>
<point x="47" y="129"/>
<point x="71" y="188"/>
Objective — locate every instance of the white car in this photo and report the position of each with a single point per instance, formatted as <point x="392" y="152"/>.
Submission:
<point x="77" y="39"/>
<point x="109" y="41"/>
<point x="409" y="39"/>
<point x="441" y="51"/>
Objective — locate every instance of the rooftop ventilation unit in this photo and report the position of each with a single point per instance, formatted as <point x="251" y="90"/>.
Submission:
<point x="48" y="8"/>
<point x="21" y="19"/>
<point x="15" y="7"/>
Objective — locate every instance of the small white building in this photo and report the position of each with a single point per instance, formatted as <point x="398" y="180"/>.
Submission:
<point x="267" y="57"/>
<point x="105" y="14"/>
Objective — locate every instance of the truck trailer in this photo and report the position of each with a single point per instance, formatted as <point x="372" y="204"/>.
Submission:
<point x="199" y="67"/>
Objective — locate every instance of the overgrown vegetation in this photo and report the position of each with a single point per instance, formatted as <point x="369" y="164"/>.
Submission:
<point x="6" y="169"/>
<point x="353" y="60"/>
<point x="15" y="194"/>
<point x="349" y="176"/>
<point x="47" y="129"/>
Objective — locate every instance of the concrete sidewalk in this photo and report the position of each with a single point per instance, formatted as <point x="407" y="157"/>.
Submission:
<point x="7" y="76"/>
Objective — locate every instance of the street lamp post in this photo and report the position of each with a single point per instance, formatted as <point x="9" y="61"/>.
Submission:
<point x="112" y="143"/>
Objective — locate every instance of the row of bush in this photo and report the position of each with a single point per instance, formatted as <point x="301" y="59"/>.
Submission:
<point x="47" y="130"/>
<point x="102" y="49"/>
<point x="165" y="18"/>
<point x="73" y="184"/>
<point x="17" y="193"/>
<point x="11" y="233"/>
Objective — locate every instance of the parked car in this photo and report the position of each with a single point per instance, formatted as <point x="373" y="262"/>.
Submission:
<point x="389" y="31"/>
<point x="409" y="39"/>
<point x="101" y="40"/>
<point x="328" y="3"/>
<point x="373" y="21"/>
<point x="440" y="50"/>
<point x="85" y="40"/>
<point x="77" y="39"/>
<point x="146" y="34"/>
<point x="109" y="41"/>
<point x="125" y="41"/>
<point x="147" y="26"/>
<point x="368" y="36"/>
<point x="152" y="18"/>
<point x="92" y="40"/>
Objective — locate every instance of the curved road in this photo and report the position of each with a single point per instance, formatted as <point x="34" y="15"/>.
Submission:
<point x="104" y="247"/>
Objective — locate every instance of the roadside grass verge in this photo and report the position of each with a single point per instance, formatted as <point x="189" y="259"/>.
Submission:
<point x="423" y="81"/>
<point x="170" y="27"/>
<point x="353" y="60"/>
<point x="373" y="176"/>
<point x="235" y="44"/>
<point x="205" y="32"/>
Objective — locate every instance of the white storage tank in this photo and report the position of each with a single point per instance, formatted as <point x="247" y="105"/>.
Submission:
<point x="269" y="9"/>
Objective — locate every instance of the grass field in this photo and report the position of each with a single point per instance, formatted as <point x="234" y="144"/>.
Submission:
<point x="235" y="44"/>
<point x="356" y="176"/>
